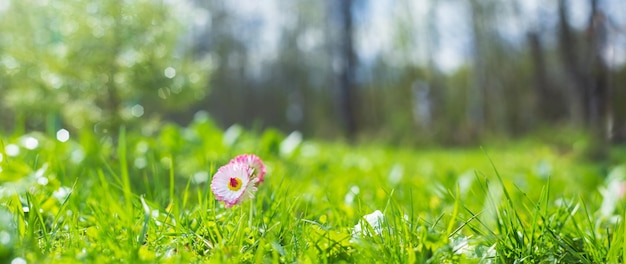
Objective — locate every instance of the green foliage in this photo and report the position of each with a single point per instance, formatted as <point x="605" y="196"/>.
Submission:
<point x="148" y="199"/>
<point x="83" y="62"/>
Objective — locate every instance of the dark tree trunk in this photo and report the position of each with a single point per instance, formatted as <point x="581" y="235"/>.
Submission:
<point x="549" y="109"/>
<point x="476" y="113"/>
<point x="570" y="56"/>
<point x="597" y="91"/>
<point x="346" y="82"/>
<point x="589" y="74"/>
<point x="618" y="118"/>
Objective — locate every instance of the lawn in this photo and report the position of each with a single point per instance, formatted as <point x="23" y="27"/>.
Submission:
<point x="145" y="196"/>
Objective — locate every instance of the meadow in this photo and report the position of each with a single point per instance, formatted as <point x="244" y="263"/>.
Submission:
<point x="144" y="196"/>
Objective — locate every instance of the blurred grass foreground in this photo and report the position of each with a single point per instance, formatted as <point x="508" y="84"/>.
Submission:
<point x="117" y="115"/>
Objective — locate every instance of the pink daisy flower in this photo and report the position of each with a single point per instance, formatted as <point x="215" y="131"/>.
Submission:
<point x="254" y="162"/>
<point x="232" y="184"/>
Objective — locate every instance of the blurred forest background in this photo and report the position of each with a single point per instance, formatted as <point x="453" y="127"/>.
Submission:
<point x="450" y="72"/>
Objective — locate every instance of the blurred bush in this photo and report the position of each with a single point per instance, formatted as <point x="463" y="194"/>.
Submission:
<point x="95" y="64"/>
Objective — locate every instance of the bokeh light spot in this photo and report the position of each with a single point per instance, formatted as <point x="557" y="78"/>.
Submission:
<point x="63" y="135"/>
<point x="137" y="110"/>
<point x="18" y="260"/>
<point x="12" y="150"/>
<point x="169" y="72"/>
<point x="30" y="142"/>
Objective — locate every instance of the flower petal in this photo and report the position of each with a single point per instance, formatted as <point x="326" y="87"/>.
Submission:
<point x="254" y="162"/>
<point x="222" y="179"/>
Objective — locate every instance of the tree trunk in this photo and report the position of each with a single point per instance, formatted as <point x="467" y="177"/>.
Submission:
<point x="570" y="56"/>
<point x="476" y="98"/>
<point x="346" y="84"/>
<point x="589" y="74"/>
<point x="549" y="101"/>
<point x="598" y="89"/>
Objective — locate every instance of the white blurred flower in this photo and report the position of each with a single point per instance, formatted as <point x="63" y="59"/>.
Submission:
<point x="465" y="181"/>
<point x="29" y="142"/>
<point x="461" y="246"/>
<point x="18" y="260"/>
<point x="12" y="150"/>
<point x="490" y="255"/>
<point x="232" y="134"/>
<point x="290" y="144"/>
<point x="396" y="173"/>
<point x="200" y="177"/>
<point x="543" y="169"/>
<point x="374" y="220"/>
<point x="613" y="192"/>
<point x="62" y="193"/>
<point x="349" y="198"/>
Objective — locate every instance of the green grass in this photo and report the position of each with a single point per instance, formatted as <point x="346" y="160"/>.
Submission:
<point x="146" y="198"/>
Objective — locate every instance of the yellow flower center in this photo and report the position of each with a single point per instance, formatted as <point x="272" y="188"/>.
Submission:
<point x="234" y="184"/>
